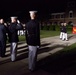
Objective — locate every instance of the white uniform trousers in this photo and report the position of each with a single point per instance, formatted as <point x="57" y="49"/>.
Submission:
<point x="32" y="57"/>
<point x="65" y="36"/>
<point x="61" y="35"/>
<point x="13" y="51"/>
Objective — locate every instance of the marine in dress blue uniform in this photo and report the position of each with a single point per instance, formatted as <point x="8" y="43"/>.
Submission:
<point x="33" y="39"/>
<point x="3" y="38"/>
<point x="13" y="36"/>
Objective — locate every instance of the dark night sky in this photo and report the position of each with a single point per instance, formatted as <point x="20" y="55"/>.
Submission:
<point x="18" y="7"/>
<point x="9" y="5"/>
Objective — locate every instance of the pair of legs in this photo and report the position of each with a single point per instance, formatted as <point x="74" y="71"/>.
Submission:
<point x="13" y="51"/>
<point x="61" y="35"/>
<point x="32" y="57"/>
<point x="65" y="36"/>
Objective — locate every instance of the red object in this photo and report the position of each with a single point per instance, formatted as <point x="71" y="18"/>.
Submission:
<point x="74" y="30"/>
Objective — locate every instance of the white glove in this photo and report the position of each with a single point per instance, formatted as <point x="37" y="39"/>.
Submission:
<point x="18" y="21"/>
<point x="38" y="47"/>
<point x="5" y="24"/>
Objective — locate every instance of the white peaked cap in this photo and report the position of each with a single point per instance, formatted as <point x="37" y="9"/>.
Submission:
<point x="32" y="12"/>
<point x="14" y="17"/>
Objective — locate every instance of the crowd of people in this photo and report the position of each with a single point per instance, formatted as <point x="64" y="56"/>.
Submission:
<point x="32" y="38"/>
<point x="32" y="33"/>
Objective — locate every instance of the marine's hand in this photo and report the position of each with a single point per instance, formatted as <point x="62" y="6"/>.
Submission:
<point x="18" y="21"/>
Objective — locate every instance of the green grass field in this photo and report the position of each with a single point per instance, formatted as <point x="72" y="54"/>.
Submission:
<point x="45" y="33"/>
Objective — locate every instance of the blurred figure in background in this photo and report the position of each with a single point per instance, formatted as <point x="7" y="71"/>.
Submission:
<point x="3" y="38"/>
<point x="61" y="30"/>
<point x="65" y="32"/>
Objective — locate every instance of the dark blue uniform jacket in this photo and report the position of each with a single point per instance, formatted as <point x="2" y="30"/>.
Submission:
<point x="13" y="29"/>
<point x="33" y="33"/>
